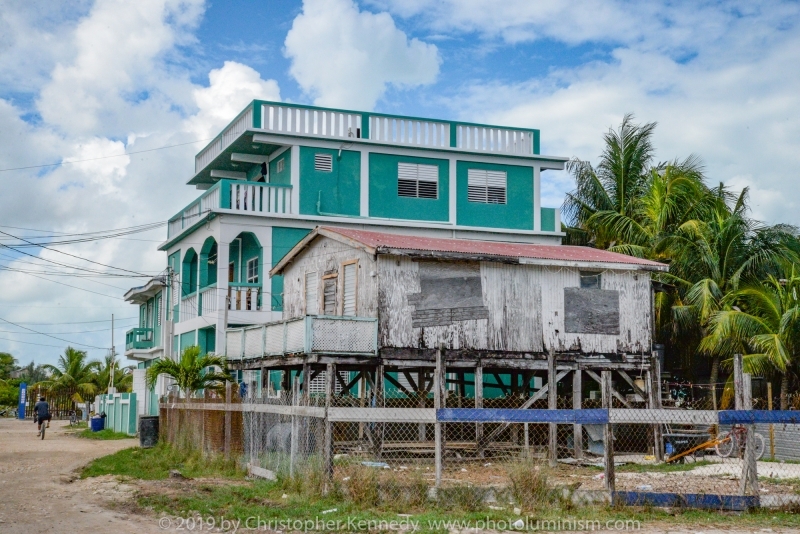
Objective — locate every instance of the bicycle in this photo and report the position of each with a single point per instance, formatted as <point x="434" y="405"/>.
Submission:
<point x="73" y="418"/>
<point x="735" y="440"/>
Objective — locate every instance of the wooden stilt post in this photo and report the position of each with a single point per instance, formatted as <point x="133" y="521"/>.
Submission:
<point x="362" y="395"/>
<point x="421" y="431"/>
<point x="577" y="428"/>
<point x="306" y="388"/>
<point x="771" y="426"/>
<point x="608" y="434"/>
<point x="479" y="405"/>
<point x="552" y="400"/>
<point x="379" y="402"/>
<point x="438" y="400"/>
<point x="330" y="382"/>
<point x="654" y="403"/>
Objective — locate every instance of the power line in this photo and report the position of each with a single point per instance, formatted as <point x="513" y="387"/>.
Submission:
<point x="88" y="237"/>
<point x="103" y="157"/>
<point x="82" y="322"/>
<point x="74" y="287"/>
<point x="30" y="343"/>
<point x="64" y="333"/>
<point x="48" y="335"/>
<point x="70" y="255"/>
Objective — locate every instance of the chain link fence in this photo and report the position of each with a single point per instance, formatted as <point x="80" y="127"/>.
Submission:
<point x="387" y="437"/>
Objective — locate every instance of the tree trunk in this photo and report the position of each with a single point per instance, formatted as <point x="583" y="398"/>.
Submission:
<point x="714" y="379"/>
<point x="785" y="390"/>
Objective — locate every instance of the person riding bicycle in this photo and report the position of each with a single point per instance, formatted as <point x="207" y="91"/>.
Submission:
<point x="41" y="412"/>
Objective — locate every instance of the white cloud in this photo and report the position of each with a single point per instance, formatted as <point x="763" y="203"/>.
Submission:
<point x="230" y="89"/>
<point x="111" y="79"/>
<point x="345" y="57"/>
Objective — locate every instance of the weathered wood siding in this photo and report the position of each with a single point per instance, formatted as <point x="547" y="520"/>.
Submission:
<point x="525" y="306"/>
<point x="326" y="256"/>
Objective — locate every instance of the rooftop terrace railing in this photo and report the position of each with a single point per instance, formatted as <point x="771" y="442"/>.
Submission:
<point x="295" y="119"/>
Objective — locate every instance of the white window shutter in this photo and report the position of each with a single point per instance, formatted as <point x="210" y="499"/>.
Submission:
<point x="349" y="289"/>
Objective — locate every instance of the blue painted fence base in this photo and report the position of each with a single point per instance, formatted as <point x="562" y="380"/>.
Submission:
<point x="738" y="503"/>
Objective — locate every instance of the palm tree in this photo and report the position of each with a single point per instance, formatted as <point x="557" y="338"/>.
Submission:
<point x="709" y="259"/>
<point x="192" y="371"/>
<point x="72" y="372"/>
<point x="123" y="379"/>
<point x="763" y="321"/>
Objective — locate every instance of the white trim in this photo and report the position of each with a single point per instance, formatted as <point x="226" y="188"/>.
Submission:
<point x="664" y="416"/>
<point x="364" y="183"/>
<point x="537" y="199"/>
<point x="410" y="415"/>
<point x="452" y="184"/>
<point x="249" y="158"/>
<point x="294" y="172"/>
<point x="275" y="155"/>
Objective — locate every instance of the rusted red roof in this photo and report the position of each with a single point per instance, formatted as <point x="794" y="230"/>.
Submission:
<point x="386" y="242"/>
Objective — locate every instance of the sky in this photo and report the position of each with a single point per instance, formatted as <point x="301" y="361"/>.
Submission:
<point x="156" y="79"/>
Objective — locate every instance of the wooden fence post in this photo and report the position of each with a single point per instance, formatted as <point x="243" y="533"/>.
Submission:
<point x="438" y="401"/>
<point x="227" y="419"/>
<point x="552" y="404"/>
<point x="749" y="481"/>
<point x="577" y="404"/>
<point x="608" y="434"/>
<point x="330" y="381"/>
<point x="293" y="443"/>
<point x="771" y="426"/>
<point x="479" y="405"/>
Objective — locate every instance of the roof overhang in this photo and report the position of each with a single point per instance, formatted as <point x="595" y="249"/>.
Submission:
<point x="141" y="294"/>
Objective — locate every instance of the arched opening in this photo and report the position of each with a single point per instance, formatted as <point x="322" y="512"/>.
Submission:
<point x="245" y="272"/>
<point x="208" y="263"/>
<point x="189" y="272"/>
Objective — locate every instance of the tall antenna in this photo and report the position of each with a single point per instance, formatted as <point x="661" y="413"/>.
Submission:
<point x="113" y="362"/>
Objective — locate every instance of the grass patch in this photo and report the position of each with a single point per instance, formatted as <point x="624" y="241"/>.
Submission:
<point x="106" y="433"/>
<point x="157" y="462"/>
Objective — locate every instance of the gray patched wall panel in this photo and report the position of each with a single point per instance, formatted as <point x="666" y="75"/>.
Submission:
<point x="450" y="292"/>
<point x="591" y="311"/>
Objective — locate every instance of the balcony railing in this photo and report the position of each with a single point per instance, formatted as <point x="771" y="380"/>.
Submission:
<point x="244" y="297"/>
<point x="312" y="334"/>
<point x="139" y="339"/>
<point x="235" y="195"/>
<point x="189" y="307"/>
<point x="278" y="117"/>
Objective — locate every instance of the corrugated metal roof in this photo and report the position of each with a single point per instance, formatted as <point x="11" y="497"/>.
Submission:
<point x="384" y="242"/>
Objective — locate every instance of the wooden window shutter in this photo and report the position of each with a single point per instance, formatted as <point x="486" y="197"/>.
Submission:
<point x="312" y="298"/>
<point x="329" y="295"/>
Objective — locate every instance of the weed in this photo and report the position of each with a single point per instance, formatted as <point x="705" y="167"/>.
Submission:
<point x="529" y="484"/>
<point x="104" y="434"/>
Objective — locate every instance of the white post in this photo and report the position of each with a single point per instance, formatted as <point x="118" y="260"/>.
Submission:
<point x="537" y="199"/>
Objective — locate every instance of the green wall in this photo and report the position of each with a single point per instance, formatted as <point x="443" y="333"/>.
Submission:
<point x="174" y="261"/>
<point x="187" y="340"/>
<point x="384" y="200"/>
<point x="548" y="219"/>
<point x="339" y="190"/>
<point x="251" y="248"/>
<point x="207" y="340"/>
<point x="284" y="177"/>
<point x="189" y="273"/>
<point x="283" y="240"/>
<point x="517" y="213"/>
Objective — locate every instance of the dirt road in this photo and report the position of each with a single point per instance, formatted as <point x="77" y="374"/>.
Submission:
<point x="37" y="488"/>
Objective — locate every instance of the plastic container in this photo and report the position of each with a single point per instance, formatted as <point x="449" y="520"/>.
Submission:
<point x="148" y="431"/>
<point x="98" y="424"/>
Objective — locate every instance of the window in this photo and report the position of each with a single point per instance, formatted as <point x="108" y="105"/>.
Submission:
<point x="280" y="165"/>
<point x="252" y="271"/>
<point x="590" y="280"/>
<point x="349" y="288"/>
<point x="312" y="298"/>
<point x="329" y="294"/>
<point x="488" y="187"/>
<point x="158" y="311"/>
<point x="323" y="162"/>
<point x="417" y="181"/>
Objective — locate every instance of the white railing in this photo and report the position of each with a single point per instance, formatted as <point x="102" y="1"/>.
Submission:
<point x="260" y="198"/>
<point x="188" y="308"/>
<point x="409" y="131"/>
<point x="310" y="334"/>
<point x="229" y="135"/>
<point x="209" y="303"/>
<point x="210" y="200"/>
<point x="302" y="121"/>
<point x="175" y="227"/>
<point x="244" y="298"/>
<point x="492" y="139"/>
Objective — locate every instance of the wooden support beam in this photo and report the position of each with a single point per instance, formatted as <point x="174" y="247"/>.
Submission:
<point x="479" y="405"/>
<point x="330" y="373"/>
<point x="614" y="392"/>
<point x="636" y="389"/>
<point x="398" y="385"/>
<point x="552" y="404"/>
<point x="306" y="387"/>
<point x="608" y="434"/>
<point x="500" y="384"/>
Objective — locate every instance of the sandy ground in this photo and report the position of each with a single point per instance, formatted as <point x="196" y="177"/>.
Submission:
<point x="38" y="490"/>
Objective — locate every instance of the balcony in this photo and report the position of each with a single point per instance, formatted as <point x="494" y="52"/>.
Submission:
<point x="139" y="339"/>
<point x="312" y="334"/>
<point x="235" y="195"/>
<point x="261" y="117"/>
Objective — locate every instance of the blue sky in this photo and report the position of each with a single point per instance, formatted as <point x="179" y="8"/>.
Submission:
<point x="92" y="78"/>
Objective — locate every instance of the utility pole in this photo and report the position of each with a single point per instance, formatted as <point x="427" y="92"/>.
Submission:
<point x="113" y="359"/>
